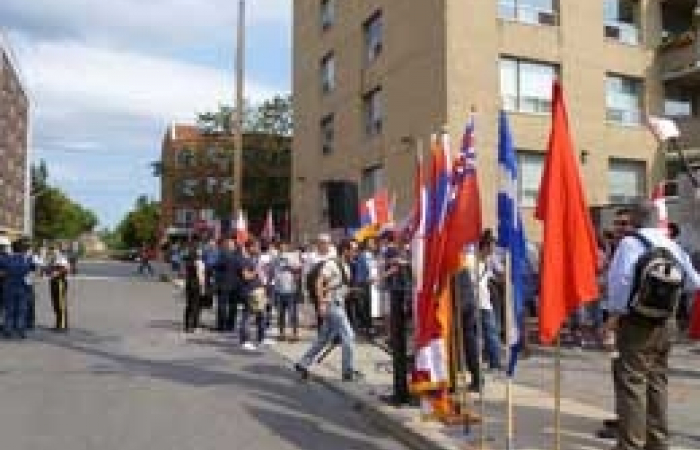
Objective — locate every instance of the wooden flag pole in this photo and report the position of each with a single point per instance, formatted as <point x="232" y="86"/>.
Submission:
<point x="480" y="351"/>
<point x="557" y="394"/>
<point x="509" y="320"/>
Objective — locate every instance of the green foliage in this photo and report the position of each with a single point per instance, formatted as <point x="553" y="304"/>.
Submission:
<point x="56" y="216"/>
<point x="140" y="226"/>
<point x="273" y="116"/>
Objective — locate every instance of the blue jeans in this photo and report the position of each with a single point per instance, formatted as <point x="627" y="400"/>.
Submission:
<point x="259" y="323"/>
<point x="492" y="344"/>
<point x="287" y="303"/>
<point x="16" y="303"/>
<point x="335" y="325"/>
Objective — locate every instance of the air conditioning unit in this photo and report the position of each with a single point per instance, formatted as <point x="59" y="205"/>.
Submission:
<point x="547" y="18"/>
<point x="612" y="31"/>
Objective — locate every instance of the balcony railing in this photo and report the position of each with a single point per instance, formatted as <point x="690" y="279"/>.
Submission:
<point x="680" y="57"/>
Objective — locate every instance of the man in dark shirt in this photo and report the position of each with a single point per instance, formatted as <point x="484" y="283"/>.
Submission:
<point x="228" y="278"/>
<point x="254" y="296"/>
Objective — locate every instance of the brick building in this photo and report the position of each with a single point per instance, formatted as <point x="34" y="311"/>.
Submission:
<point x="14" y="145"/>
<point x="197" y="181"/>
<point x="374" y="79"/>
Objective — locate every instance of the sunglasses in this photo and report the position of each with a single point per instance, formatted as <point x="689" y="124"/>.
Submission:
<point x="621" y="223"/>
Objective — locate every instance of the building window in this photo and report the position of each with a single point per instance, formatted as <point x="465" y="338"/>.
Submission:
<point x="626" y="180"/>
<point x="530" y="168"/>
<point x="206" y="214"/>
<point x="621" y="20"/>
<point x="679" y="103"/>
<point x="372" y="112"/>
<point x="624" y="100"/>
<point x="187" y="188"/>
<point x="536" y="12"/>
<point x="185" y="158"/>
<point x="327" y="14"/>
<point x="185" y="217"/>
<point x="328" y="73"/>
<point x="372" y="181"/>
<point x="526" y="86"/>
<point x="327" y="134"/>
<point x="373" y="31"/>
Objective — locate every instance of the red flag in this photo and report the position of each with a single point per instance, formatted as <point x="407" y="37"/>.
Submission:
<point x="463" y="224"/>
<point x="569" y="253"/>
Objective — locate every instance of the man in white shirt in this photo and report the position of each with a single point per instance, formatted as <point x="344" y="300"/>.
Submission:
<point x="643" y="343"/>
<point x="333" y="287"/>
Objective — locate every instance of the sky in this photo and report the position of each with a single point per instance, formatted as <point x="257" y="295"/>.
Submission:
<point x="106" y="78"/>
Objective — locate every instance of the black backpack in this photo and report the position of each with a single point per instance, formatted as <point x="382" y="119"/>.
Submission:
<point x="315" y="272"/>
<point x="658" y="283"/>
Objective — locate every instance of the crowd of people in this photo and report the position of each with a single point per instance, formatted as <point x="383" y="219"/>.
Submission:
<point x="20" y="267"/>
<point x="362" y="287"/>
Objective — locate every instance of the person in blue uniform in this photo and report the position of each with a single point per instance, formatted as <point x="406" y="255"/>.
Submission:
<point x="16" y="267"/>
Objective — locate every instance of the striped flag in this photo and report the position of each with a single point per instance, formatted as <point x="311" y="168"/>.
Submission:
<point x="464" y="214"/>
<point x="511" y="237"/>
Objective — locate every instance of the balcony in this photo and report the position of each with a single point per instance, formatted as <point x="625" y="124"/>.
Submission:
<point x="679" y="57"/>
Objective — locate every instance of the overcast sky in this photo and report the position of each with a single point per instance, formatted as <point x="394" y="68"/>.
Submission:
<point x="106" y="77"/>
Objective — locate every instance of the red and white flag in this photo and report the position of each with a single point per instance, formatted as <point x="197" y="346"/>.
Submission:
<point x="241" y="230"/>
<point x="268" y="231"/>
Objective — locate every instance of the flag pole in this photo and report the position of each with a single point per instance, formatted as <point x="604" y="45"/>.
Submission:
<point x="557" y="394"/>
<point x="461" y="359"/>
<point x="480" y="351"/>
<point x="509" y="350"/>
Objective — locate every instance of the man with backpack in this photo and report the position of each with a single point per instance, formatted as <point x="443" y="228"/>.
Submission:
<point x="647" y="276"/>
<point x="332" y="288"/>
<point x="324" y="252"/>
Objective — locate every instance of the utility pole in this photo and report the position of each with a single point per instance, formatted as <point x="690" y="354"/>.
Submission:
<point x="239" y="116"/>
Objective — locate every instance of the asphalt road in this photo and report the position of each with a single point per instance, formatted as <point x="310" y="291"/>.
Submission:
<point x="125" y="378"/>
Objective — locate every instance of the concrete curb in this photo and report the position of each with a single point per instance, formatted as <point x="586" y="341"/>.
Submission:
<point x="378" y="413"/>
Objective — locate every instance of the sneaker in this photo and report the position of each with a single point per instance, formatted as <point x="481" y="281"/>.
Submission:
<point x="606" y="433"/>
<point x="249" y="347"/>
<point x="268" y="341"/>
<point x="302" y="371"/>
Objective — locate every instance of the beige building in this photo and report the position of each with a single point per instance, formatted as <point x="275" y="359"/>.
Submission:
<point x="373" y="80"/>
<point x="14" y="145"/>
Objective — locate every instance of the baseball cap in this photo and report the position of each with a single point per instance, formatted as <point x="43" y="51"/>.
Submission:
<point x="4" y="241"/>
<point x="324" y="237"/>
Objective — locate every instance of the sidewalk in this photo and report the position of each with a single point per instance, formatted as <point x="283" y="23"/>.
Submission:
<point x="586" y="386"/>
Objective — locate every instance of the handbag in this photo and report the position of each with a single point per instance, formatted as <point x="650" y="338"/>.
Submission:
<point x="257" y="299"/>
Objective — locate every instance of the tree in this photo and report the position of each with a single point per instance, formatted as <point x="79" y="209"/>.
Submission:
<point x="140" y="226"/>
<point x="56" y="216"/>
<point x="272" y="116"/>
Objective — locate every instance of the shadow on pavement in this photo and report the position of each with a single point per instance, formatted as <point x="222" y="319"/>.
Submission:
<point x="295" y="409"/>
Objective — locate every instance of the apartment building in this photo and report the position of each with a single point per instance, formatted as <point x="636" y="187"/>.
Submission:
<point x="14" y="145"/>
<point x="197" y="182"/>
<point x="374" y="79"/>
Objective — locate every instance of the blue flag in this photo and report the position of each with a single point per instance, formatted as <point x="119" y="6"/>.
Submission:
<point x="511" y="237"/>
